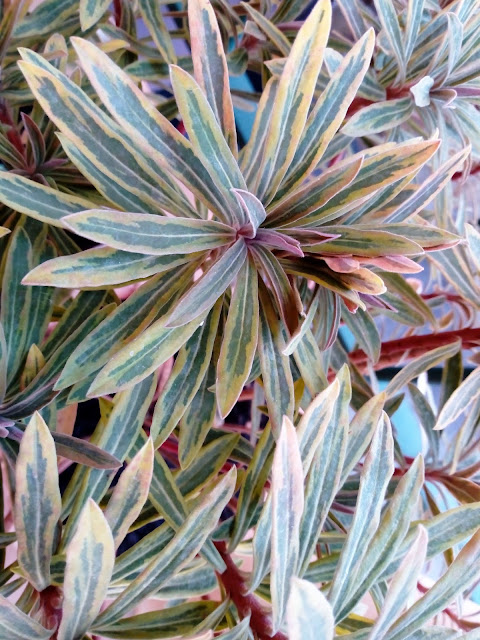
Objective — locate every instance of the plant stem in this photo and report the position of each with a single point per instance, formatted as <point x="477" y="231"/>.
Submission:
<point x="246" y="603"/>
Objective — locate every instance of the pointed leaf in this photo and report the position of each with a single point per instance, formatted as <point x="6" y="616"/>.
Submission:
<point x="287" y="509"/>
<point x="37" y="502"/>
<point x="130" y="493"/>
<point x="239" y="340"/>
<point x="210" y="66"/>
<point x="184" y="546"/>
<point x="149" y="234"/>
<point x="309" y="615"/>
<point x="90" y="560"/>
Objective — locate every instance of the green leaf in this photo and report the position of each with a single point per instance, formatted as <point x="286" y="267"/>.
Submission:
<point x="287" y="510"/>
<point x="373" y="559"/>
<point x="199" y="416"/>
<point x="83" y="452"/>
<point x="188" y="373"/>
<point x="38" y="503"/>
<point x="152" y="17"/>
<point x="276" y="373"/>
<point x="292" y="100"/>
<point x="117" y="436"/>
<point x="130" y="493"/>
<point x="416" y="366"/>
<point x="90" y="560"/>
<point x="309" y="615"/>
<point x="239" y="339"/>
<point x="141" y="120"/>
<point x="329" y="446"/>
<point x="139" y="358"/>
<point x="208" y="142"/>
<point x="213" y="283"/>
<point x="149" y="234"/>
<point x="460" y="400"/>
<point x="101" y="267"/>
<point x="20" y="626"/>
<point x="91" y="11"/>
<point x="184" y="546"/>
<point x="377" y="470"/>
<point x="402" y="586"/>
<point x="328" y="113"/>
<point x="460" y="575"/>
<point x="138" y="311"/>
<point x="378" y="117"/>
<point x="387" y="14"/>
<point x="210" y="66"/>
<point x="107" y="156"/>
<point x="251" y="490"/>
<point x="179" y="620"/>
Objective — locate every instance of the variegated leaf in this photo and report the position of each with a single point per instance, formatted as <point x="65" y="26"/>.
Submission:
<point x="149" y="234"/>
<point x="130" y="493"/>
<point x="287" y="510"/>
<point x="239" y="340"/>
<point x="292" y="100"/>
<point x="90" y="560"/>
<point x="210" y="66"/>
<point x="206" y="291"/>
<point x="37" y="502"/>
<point x="19" y="626"/>
<point x="309" y="615"/>
<point x="182" y="548"/>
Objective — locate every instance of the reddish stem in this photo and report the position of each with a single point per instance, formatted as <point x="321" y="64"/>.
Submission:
<point x="416" y="345"/>
<point x="51" y="607"/>
<point x="246" y="603"/>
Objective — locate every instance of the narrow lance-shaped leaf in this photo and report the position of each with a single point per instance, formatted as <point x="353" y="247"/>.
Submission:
<point x="292" y="100"/>
<point x="149" y="234"/>
<point x="309" y="615"/>
<point x="287" y="509"/>
<point x="157" y="137"/>
<point x="18" y="625"/>
<point x="188" y="372"/>
<point x="403" y="584"/>
<point x="376" y="474"/>
<point x="204" y="293"/>
<point x="138" y="311"/>
<point x="326" y="467"/>
<point x="184" y="546"/>
<point x="389" y="20"/>
<point x="90" y="560"/>
<point x="208" y="142"/>
<point x="142" y="356"/>
<point x="130" y="493"/>
<point x="37" y="502"/>
<point x="35" y="200"/>
<point x="420" y="364"/>
<point x="101" y="267"/>
<point x="276" y="372"/>
<point x="239" y="340"/>
<point x="460" y="400"/>
<point x="461" y="574"/>
<point x="91" y="11"/>
<point x="379" y="117"/>
<point x="329" y="112"/>
<point x="153" y="19"/>
<point x="177" y="620"/>
<point x="210" y="66"/>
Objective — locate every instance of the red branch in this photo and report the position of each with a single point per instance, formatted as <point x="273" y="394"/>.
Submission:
<point x="51" y="607"/>
<point x="394" y="351"/>
<point x="246" y="603"/>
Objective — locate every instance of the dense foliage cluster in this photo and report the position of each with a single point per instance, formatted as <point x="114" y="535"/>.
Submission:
<point x="251" y="312"/>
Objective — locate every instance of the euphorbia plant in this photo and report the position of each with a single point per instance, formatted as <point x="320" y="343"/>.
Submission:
<point x="265" y="488"/>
